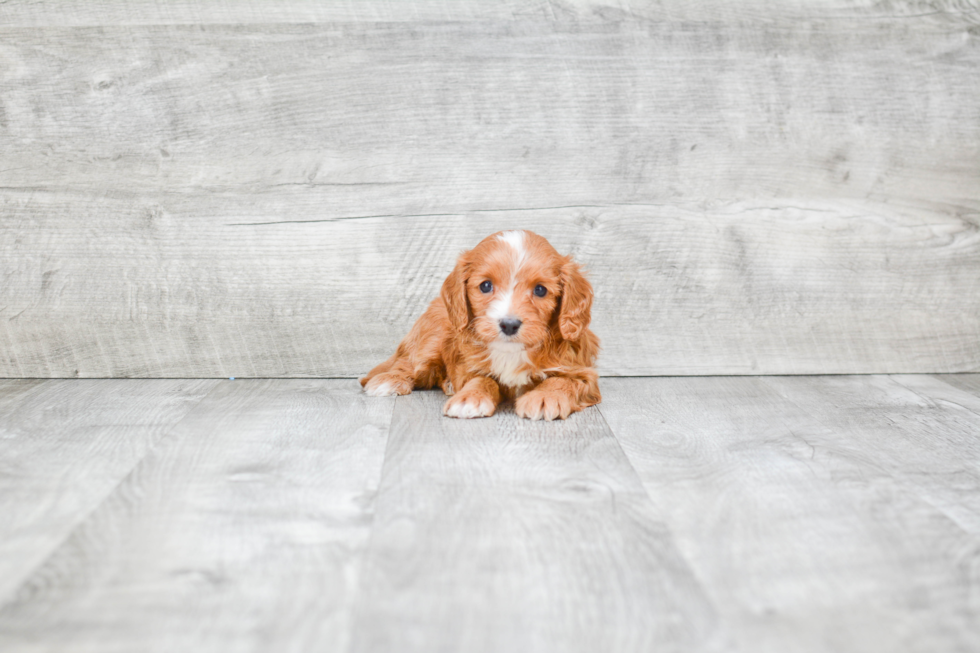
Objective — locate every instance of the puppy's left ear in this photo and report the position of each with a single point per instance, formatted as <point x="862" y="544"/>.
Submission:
<point x="576" y="301"/>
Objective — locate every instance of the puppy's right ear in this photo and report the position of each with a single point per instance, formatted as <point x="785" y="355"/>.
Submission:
<point x="454" y="293"/>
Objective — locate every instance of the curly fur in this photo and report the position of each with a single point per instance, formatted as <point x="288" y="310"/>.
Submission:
<point x="458" y="344"/>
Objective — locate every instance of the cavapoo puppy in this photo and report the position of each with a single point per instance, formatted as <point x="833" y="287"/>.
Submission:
<point x="511" y="322"/>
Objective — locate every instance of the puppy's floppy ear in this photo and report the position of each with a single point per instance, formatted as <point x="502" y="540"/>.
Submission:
<point x="454" y="293"/>
<point x="576" y="301"/>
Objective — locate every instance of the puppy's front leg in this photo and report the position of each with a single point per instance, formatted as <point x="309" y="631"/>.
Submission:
<point x="416" y="363"/>
<point x="477" y="398"/>
<point x="557" y="397"/>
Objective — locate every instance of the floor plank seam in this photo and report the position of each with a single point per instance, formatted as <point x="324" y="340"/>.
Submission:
<point x="952" y="387"/>
<point x="896" y="477"/>
<point x="692" y="568"/>
<point x="153" y="448"/>
<point x="363" y="553"/>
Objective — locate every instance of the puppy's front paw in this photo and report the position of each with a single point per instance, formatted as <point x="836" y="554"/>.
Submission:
<point x="468" y="404"/>
<point x="544" y="404"/>
<point x="388" y="385"/>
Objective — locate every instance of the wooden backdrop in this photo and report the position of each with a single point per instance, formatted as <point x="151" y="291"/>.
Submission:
<point x="277" y="189"/>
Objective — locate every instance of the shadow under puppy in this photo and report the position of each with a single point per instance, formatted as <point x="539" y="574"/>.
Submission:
<point x="511" y="322"/>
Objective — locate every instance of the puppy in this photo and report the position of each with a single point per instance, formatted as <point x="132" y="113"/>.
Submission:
<point x="511" y="322"/>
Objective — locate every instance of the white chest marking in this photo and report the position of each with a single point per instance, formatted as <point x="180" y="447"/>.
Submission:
<point x="506" y="361"/>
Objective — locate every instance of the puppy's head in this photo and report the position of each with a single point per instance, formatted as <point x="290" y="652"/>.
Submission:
<point x="513" y="287"/>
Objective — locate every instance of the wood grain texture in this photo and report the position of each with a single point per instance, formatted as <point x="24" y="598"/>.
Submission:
<point x="804" y="514"/>
<point x="443" y="118"/>
<point x="821" y="514"/>
<point x="968" y="382"/>
<point x="248" y="198"/>
<point x="509" y="535"/>
<point x="242" y="531"/>
<point x="64" y="447"/>
<point x="47" y="13"/>
<point x="747" y="288"/>
<point x="924" y="433"/>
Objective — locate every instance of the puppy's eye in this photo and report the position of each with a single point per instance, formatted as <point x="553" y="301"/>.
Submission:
<point x="540" y="290"/>
<point x="486" y="287"/>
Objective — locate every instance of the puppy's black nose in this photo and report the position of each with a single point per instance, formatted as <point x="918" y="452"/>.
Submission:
<point x="510" y="326"/>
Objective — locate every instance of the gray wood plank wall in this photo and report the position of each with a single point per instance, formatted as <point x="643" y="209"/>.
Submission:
<point x="249" y="189"/>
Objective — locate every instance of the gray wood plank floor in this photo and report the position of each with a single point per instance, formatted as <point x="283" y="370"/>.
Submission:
<point x="688" y="514"/>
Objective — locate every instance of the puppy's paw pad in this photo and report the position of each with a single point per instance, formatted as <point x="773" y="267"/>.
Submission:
<point x="468" y="406"/>
<point x="388" y="385"/>
<point x="540" y="404"/>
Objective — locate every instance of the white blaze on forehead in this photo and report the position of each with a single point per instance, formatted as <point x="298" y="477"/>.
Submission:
<point x="513" y="238"/>
<point x="501" y="307"/>
<point x="516" y="240"/>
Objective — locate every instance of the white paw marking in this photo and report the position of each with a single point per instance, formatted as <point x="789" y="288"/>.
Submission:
<point x="379" y="390"/>
<point x="469" y="409"/>
<point x="385" y="389"/>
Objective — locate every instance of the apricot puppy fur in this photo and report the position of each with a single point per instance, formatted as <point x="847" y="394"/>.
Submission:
<point x="511" y="322"/>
